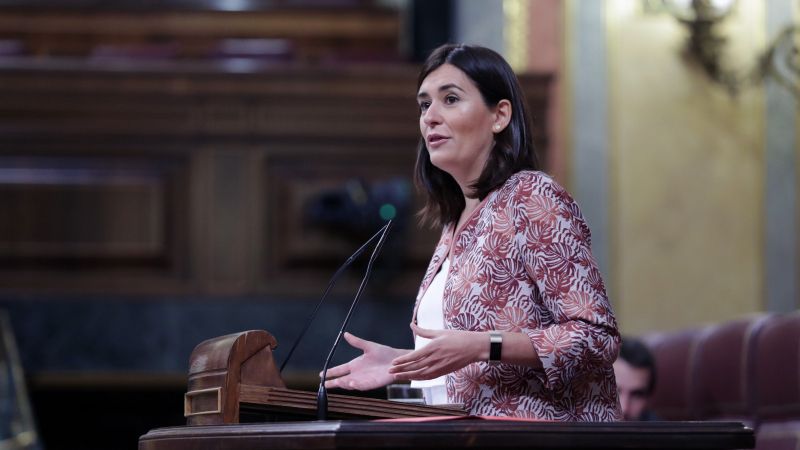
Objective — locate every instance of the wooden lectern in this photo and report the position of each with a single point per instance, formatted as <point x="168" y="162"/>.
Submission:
<point x="236" y="374"/>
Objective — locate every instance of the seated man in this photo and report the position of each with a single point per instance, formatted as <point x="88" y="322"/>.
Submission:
<point x="635" y="371"/>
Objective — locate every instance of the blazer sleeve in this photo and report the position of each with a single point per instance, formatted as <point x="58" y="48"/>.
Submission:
<point x="581" y="333"/>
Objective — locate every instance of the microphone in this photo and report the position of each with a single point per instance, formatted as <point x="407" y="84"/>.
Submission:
<point x="322" y="393"/>
<point x="331" y="284"/>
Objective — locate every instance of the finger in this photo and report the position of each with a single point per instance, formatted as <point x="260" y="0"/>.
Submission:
<point x="424" y="359"/>
<point x="355" y="341"/>
<point x="412" y="356"/>
<point x="338" y="371"/>
<point x="337" y="383"/>
<point x="419" y="374"/>
<point x="406" y="367"/>
<point x="426" y="332"/>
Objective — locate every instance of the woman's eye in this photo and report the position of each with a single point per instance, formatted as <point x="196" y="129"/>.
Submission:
<point x="424" y="105"/>
<point x="450" y="99"/>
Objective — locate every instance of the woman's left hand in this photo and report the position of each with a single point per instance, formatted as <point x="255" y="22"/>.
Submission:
<point x="448" y="350"/>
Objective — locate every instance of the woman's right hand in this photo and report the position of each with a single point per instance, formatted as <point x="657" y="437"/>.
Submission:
<point x="368" y="371"/>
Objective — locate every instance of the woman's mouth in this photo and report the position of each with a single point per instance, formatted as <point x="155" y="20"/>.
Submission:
<point x="435" y="140"/>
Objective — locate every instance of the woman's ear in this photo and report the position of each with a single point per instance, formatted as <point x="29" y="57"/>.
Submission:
<point x="502" y="115"/>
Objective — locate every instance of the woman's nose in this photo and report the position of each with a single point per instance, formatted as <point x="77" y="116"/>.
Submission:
<point x="431" y="115"/>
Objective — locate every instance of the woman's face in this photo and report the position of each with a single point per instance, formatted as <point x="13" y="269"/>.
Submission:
<point x="456" y="123"/>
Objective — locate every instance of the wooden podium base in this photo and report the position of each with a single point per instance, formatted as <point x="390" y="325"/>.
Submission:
<point x="461" y="433"/>
<point x="235" y="374"/>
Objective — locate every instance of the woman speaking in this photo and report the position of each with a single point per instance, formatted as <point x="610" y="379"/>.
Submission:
<point x="512" y="317"/>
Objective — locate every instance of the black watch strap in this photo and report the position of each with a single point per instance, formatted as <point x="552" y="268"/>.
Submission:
<point x="495" y="347"/>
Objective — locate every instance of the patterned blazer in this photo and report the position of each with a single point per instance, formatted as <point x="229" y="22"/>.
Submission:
<point x="522" y="263"/>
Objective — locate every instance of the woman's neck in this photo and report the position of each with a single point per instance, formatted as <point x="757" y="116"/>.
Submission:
<point x="469" y="206"/>
<point x="470" y="203"/>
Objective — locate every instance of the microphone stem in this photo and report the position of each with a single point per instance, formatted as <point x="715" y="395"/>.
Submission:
<point x="322" y="401"/>
<point x="322" y="394"/>
<point x="331" y="284"/>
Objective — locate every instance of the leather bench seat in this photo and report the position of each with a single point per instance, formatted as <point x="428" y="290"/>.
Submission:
<point x="745" y="370"/>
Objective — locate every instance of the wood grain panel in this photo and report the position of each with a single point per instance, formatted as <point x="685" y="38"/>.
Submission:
<point x="296" y="34"/>
<point x="317" y="214"/>
<point x="207" y="102"/>
<point x="91" y="216"/>
<point x="190" y="178"/>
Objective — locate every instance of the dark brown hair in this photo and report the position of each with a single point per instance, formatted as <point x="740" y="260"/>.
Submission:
<point x="637" y="354"/>
<point x="513" y="150"/>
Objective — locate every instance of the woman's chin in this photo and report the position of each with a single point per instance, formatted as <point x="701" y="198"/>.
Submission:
<point x="442" y="162"/>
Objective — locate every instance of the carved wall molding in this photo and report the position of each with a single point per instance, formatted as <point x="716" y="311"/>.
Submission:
<point x="189" y="179"/>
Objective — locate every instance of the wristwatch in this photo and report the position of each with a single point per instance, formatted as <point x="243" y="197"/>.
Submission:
<point x="495" y="347"/>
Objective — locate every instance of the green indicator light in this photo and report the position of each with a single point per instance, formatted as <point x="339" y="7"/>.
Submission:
<point x="387" y="211"/>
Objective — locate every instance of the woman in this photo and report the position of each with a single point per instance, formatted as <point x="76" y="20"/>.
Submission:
<point x="524" y="326"/>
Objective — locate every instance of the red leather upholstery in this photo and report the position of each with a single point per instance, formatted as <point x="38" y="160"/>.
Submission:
<point x="746" y="370"/>
<point x="777" y="383"/>
<point x="723" y="370"/>
<point x="777" y="368"/>
<point x="673" y="354"/>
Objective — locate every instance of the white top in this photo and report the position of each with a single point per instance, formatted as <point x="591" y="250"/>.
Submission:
<point x="430" y="315"/>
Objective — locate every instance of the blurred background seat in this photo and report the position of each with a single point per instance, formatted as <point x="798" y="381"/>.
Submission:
<point x="746" y="370"/>
<point x="777" y="383"/>
<point x="673" y="354"/>
<point x="723" y="370"/>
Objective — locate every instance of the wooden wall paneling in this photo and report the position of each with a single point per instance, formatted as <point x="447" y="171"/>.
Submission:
<point x="71" y="106"/>
<point x="536" y="87"/>
<point x="81" y="213"/>
<point x="298" y="34"/>
<point x="282" y="104"/>
<point x="230" y="214"/>
<point x="244" y="151"/>
<point x="200" y="194"/>
<point x="301" y="253"/>
<point x="84" y="220"/>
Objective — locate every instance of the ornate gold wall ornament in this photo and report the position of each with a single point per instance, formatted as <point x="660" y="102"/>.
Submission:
<point x="706" y="45"/>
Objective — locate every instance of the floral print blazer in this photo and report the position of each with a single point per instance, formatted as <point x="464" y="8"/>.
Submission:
<point x="522" y="263"/>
